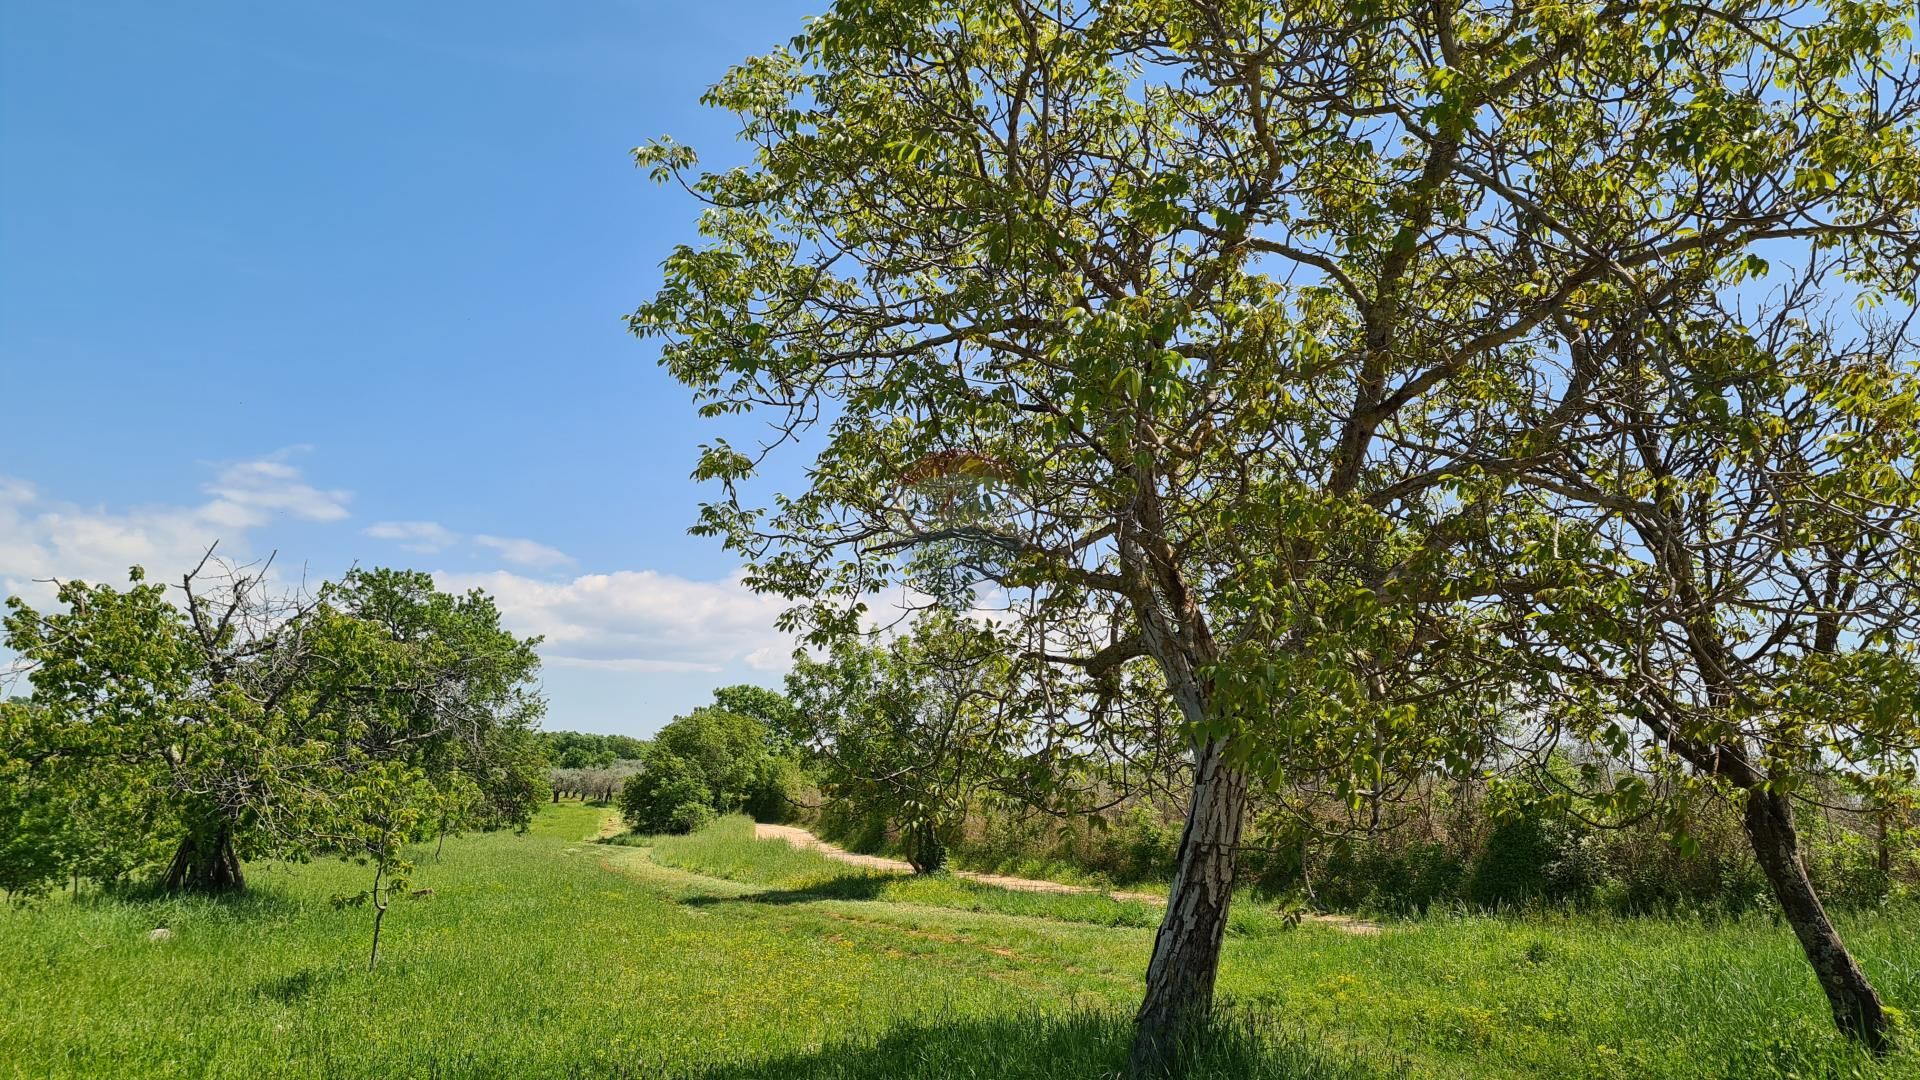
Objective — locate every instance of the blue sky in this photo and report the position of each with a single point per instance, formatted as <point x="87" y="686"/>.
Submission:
<point x="346" y="281"/>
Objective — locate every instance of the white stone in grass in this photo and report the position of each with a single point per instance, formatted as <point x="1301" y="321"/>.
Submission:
<point x="159" y="934"/>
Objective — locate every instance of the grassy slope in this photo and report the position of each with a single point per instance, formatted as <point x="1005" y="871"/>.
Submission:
<point x="543" y="957"/>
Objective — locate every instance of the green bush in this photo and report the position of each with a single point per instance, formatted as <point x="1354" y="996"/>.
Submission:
<point x="1140" y="846"/>
<point x="779" y="791"/>
<point x="1845" y="867"/>
<point x="690" y="816"/>
<point x="1369" y="875"/>
<point x="1530" y="859"/>
<point x="653" y="799"/>
<point x="708" y="763"/>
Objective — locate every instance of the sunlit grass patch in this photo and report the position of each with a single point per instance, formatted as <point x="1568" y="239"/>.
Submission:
<point x="543" y="955"/>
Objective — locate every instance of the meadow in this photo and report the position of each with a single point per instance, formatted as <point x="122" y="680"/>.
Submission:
<point x="719" y="957"/>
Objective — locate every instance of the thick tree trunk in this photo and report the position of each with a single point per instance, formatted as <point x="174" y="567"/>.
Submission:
<point x="206" y="862"/>
<point x="1856" y="1008"/>
<point x="1186" y="951"/>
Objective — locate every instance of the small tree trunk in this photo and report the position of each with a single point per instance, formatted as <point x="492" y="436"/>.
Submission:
<point x="1883" y="847"/>
<point x="379" y="914"/>
<point x="1186" y="951"/>
<point x="1768" y="818"/>
<point x="925" y="851"/>
<point x="206" y="862"/>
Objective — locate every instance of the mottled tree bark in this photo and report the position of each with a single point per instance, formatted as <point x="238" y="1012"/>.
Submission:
<point x="1186" y="951"/>
<point x="1768" y="818"/>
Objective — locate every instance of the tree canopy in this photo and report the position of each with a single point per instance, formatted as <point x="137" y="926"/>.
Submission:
<point x="1220" y="335"/>
<point x="911" y="729"/>
<point x="240" y="723"/>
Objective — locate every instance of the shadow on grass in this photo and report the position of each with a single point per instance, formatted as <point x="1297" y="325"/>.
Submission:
<point x="1076" y="1046"/>
<point x="297" y="987"/>
<point x="258" y="901"/>
<point x="844" y="887"/>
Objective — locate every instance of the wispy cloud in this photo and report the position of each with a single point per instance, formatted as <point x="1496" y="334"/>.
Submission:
<point x="423" y="537"/>
<point x="522" y="552"/>
<point x="430" y="537"/>
<point x="639" y="620"/>
<point x="629" y="621"/>
<point x="250" y="492"/>
<point x="42" y="539"/>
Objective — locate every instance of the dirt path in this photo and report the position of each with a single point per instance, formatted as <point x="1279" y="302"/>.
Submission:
<point x="801" y="838"/>
<point x="610" y="825"/>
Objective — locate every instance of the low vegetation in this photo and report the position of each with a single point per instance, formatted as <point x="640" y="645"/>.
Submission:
<point x="719" y="759"/>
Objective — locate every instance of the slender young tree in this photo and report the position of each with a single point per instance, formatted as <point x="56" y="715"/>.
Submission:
<point x="1170" y="323"/>
<point x="1736" y="542"/>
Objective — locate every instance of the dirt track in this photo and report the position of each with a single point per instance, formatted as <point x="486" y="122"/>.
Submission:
<point x="801" y="838"/>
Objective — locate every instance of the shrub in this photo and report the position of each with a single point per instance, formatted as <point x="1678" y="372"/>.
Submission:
<point x="652" y="800"/>
<point x="720" y="761"/>
<point x="778" y="792"/>
<point x="690" y="816"/>
<point x="1528" y="858"/>
<point x="1140" y="846"/>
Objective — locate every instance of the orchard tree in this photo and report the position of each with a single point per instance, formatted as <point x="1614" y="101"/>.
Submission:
<point x="431" y="678"/>
<point x="911" y="728"/>
<point x="241" y="723"/>
<point x="392" y="805"/>
<point x="1173" y="324"/>
<point x="1734" y="556"/>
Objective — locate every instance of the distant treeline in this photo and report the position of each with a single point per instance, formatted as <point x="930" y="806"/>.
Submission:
<point x="579" y="750"/>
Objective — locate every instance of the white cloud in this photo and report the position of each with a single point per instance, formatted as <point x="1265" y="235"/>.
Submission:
<point x="630" y="664"/>
<point x="248" y="493"/>
<point x="424" y="537"/>
<point x="42" y="540"/>
<point x="429" y="537"/>
<point x="775" y="658"/>
<point x="523" y="552"/>
<point x="646" y="621"/>
<point x="630" y="621"/>
<point x="638" y="620"/>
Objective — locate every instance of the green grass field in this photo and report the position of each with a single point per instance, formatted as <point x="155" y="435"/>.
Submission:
<point x="718" y="956"/>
